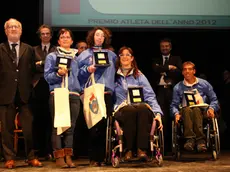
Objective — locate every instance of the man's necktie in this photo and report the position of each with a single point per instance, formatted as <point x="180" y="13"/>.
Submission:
<point x="166" y="61"/>
<point x="166" y="78"/>
<point x="14" y="52"/>
<point x="45" y="51"/>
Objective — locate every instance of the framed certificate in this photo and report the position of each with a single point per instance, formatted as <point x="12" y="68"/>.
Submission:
<point x="101" y="59"/>
<point x="136" y="94"/>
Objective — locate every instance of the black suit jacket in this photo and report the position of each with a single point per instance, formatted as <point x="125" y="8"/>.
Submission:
<point x="173" y="75"/>
<point x="13" y="76"/>
<point x="39" y="56"/>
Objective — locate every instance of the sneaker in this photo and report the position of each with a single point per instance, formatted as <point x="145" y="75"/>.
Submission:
<point x="128" y="155"/>
<point x="189" y="145"/>
<point x="142" y="155"/>
<point x="201" y="146"/>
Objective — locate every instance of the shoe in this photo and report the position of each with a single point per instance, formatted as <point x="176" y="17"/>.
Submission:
<point x="48" y="157"/>
<point x="35" y="163"/>
<point x="102" y="164"/>
<point x="10" y="164"/>
<point x="142" y="155"/>
<point x="201" y="146"/>
<point x="189" y="145"/>
<point x="94" y="164"/>
<point x="128" y="155"/>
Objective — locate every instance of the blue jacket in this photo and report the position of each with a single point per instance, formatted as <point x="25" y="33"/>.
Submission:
<point x="121" y="90"/>
<point x="54" y="81"/>
<point x="204" y="88"/>
<point x="103" y="75"/>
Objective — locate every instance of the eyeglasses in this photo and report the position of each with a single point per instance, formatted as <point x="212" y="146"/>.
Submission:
<point x="43" y="34"/>
<point x="82" y="47"/>
<point x="127" y="55"/>
<point x="65" y="37"/>
<point x="13" y="26"/>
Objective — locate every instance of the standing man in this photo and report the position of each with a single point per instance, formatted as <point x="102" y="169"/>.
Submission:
<point x="167" y="70"/>
<point x="81" y="46"/>
<point x="16" y="70"/>
<point x="40" y="99"/>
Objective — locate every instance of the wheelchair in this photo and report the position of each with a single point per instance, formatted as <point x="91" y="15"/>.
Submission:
<point x="210" y="127"/>
<point x="114" y="144"/>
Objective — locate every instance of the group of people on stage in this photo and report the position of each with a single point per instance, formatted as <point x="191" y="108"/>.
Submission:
<point x="29" y="76"/>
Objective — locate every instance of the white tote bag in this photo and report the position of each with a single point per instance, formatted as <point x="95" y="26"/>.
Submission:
<point x="62" y="119"/>
<point x="94" y="103"/>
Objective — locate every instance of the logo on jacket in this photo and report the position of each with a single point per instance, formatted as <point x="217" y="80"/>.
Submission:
<point x="93" y="104"/>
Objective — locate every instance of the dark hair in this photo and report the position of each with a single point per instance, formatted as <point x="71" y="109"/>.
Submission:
<point x="81" y="41"/>
<point x="44" y="26"/>
<point x="63" y="30"/>
<point x="136" y="71"/>
<point x="166" y="40"/>
<point x="91" y="33"/>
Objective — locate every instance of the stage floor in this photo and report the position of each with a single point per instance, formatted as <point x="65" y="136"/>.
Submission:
<point x="196" y="163"/>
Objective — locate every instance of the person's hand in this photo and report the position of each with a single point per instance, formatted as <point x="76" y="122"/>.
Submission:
<point x="158" y="118"/>
<point x="62" y="71"/>
<point x="91" y="69"/>
<point x="172" y="67"/>
<point x="210" y="113"/>
<point x="177" y="118"/>
<point x="38" y="63"/>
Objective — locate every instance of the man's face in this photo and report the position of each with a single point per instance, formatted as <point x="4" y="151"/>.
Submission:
<point x="13" y="30"/>
<point x="45" y="35"/>
<point x="82" y="46"/>
<point x="165" y="48"/>
<point x="188" y="71"/>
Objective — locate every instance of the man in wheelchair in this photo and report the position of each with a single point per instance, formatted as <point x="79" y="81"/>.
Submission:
<point x="189" y="103"/>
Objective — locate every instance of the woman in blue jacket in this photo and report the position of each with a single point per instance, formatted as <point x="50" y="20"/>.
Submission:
<point x="54" y="76"/>
<point x="98" y="40"/>
<point x="134" y="119"/>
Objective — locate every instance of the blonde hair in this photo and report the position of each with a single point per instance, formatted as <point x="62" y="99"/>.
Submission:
<point x="6" y="23"/>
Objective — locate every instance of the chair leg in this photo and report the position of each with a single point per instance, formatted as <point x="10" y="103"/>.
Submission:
<point x="15" y="142"/>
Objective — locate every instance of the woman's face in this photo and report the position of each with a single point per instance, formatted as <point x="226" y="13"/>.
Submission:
<point x="126" y="59"/>
<point x="65" y="40"/>
<point x="99" y="37"/>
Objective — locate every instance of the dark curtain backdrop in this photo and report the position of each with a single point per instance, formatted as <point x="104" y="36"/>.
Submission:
<point x="208" y="49"/>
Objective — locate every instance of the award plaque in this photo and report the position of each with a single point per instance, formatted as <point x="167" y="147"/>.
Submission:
<point x="136" y="94"/>
<point x="188" y="99"/>
<point x="101" y="59"/>
<point x="63" y="62"/>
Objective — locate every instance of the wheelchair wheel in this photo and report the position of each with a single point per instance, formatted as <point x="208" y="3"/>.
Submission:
<point x="161" y="142"/>
<point x="115" y="162"/>
<point x="217" y="136"/>
<point x="159" y="161"/>
<point x="108" y="140"/>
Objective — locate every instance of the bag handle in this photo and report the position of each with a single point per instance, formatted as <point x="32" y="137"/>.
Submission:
<point x="91" y="78"/>
<point x="64" y="83"/>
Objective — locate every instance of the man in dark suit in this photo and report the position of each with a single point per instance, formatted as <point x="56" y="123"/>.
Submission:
<point x="16" y="71"/>
<point x="167" y="72"/>
<point x="40" y="99"/>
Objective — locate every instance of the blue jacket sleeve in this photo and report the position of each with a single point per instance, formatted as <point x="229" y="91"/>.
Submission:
<point x="212" y="97"/>
<point x="149" y="95"/>
<point x="174" y="107"/>
<point x="50" y="73"/>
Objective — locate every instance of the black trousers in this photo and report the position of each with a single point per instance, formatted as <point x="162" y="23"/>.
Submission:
<point x="136" y="122"/>
<point x="164" y="98"/>
<point x="193" y="123"/>
<point x="97" y="135"/>
<point x="7" y="117"/>
<point x="41" y="117"/>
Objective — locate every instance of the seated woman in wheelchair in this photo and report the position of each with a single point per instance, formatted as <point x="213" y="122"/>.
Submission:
<point x="193" y="115"/>
<point x="135" y="119"/>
